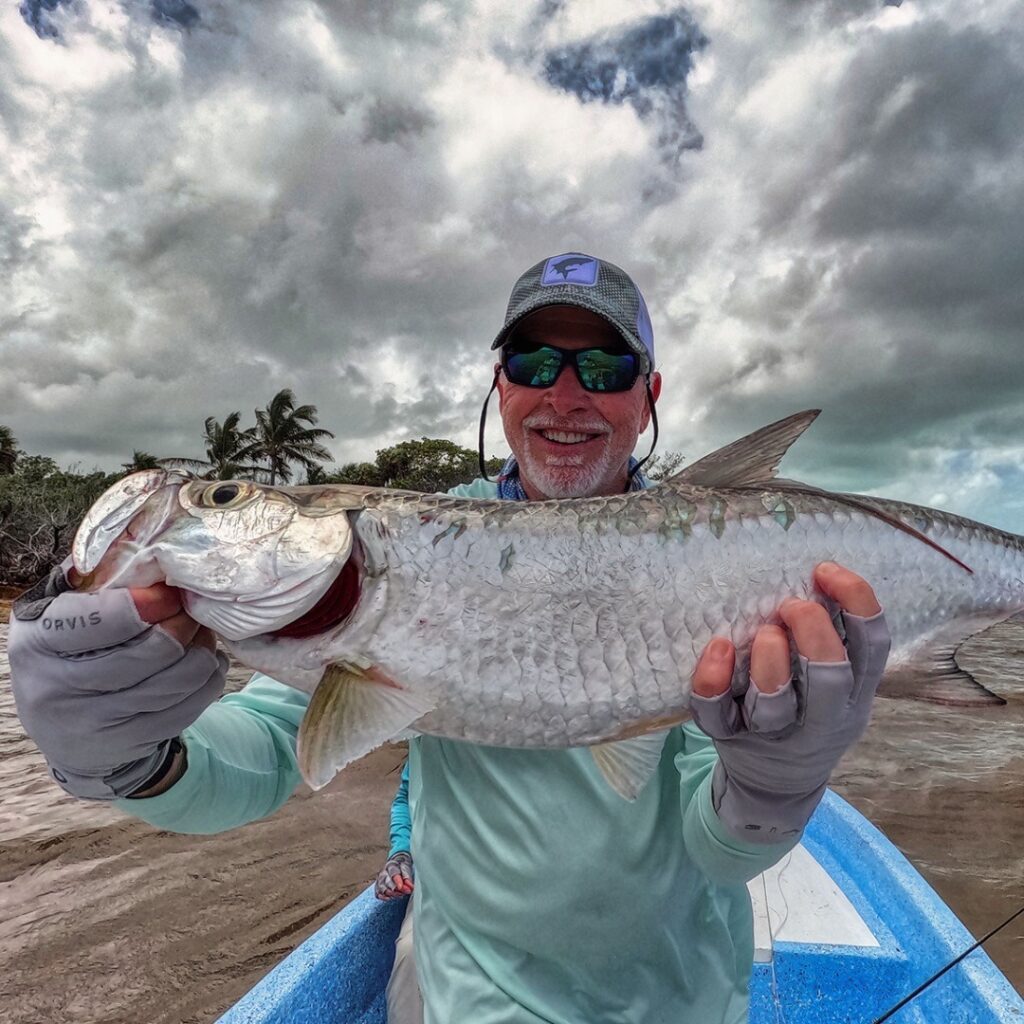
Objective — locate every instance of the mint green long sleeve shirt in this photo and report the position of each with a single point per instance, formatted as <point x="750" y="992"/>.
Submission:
<point x="542" y="897"/>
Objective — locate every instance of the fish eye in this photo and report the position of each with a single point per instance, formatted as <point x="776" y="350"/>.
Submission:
<point x="221" y="495"/>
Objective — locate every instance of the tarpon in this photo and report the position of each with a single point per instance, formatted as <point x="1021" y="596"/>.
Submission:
<point x="540" y="624"/>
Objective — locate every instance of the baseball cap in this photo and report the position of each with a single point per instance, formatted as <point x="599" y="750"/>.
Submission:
<point x="576" y="279"/>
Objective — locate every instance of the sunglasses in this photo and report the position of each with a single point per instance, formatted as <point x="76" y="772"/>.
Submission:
<point x="597" y="369"/>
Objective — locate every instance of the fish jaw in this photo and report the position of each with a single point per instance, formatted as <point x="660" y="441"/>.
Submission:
<point x="257" y="564"/>
<point x="298" y="657"/>
<point x="111" y="547"/>
<point x="250" y="566"/>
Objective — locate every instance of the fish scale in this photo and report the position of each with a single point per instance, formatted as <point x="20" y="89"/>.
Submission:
<point x="541" y="624"/>
<point x="604" y="624"/>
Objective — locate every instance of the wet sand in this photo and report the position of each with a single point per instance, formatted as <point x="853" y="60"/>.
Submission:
<point x="103" y="918"/>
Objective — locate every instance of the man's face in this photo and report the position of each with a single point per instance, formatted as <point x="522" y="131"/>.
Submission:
<point x="572" y="443"/>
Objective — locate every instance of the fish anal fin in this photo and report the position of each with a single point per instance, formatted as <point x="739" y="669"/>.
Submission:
<point x="627" y="765"/>
<point x="353" y="711"/>
<point x="751" y="461"/>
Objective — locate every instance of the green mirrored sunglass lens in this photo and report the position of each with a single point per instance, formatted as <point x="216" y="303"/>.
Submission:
<point x="537" y="368"/>
<point x="606" y="371"/>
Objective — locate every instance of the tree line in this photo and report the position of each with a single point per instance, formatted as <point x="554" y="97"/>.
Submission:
<point x="41" y="504"/>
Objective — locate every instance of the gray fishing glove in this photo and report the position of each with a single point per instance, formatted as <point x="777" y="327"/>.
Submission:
<point x="396" y="877"/>
<point x="776" y="751"/>
<point x="102" y="692"/>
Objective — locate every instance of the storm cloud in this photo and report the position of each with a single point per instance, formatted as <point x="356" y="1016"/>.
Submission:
<point x="201" y="204"/>
<point x="38" y="14"/>
<point x="645" y="65"/>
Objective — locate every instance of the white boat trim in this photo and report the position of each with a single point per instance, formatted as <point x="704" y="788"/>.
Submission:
<point x="798" y="901"/>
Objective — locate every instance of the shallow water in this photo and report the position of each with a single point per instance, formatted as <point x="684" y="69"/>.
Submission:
<point x="946" y="785"/>
<point x="102" y="918"/>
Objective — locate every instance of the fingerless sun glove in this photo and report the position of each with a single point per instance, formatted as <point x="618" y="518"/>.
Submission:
<point x="776" y="751"/>
<point x="101" y="692"/>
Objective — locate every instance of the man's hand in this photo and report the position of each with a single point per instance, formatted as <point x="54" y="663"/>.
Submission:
<point x="779" y="741"/>
<point x="103" y="682"/>
<point x="395" y="878"/>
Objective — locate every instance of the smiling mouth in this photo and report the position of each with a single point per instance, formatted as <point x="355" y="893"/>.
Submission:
<point x="333" y="608"/>
<point x="566" y="437"/>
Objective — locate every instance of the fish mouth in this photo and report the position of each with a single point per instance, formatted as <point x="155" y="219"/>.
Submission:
<point x="110" y="544"/>
<point x="337" y="604"/>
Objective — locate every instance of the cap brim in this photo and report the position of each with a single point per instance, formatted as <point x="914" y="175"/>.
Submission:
<point x="631" y="340"/>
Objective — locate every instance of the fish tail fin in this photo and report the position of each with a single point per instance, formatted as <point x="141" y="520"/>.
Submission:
<point x="932" y="672"/>
<point x="951" y="686"/>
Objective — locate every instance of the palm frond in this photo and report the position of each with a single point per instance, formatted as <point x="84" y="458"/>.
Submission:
<point x="174" y="462"/>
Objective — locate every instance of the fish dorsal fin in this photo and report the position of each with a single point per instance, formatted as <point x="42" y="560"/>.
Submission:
<point x="750" y="461"/>
<point x="627" y="765"/>
<point x="353" y="711"/>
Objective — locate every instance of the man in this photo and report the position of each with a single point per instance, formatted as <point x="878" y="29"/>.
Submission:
<point x="394" y="881"/>
<point x="541" y="895"/>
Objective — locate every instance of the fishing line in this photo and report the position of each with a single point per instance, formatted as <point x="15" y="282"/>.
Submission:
<point x="935" y="977"/>
<point x="780" y="1013"/>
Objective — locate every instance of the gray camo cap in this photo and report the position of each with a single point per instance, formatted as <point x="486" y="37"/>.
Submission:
<point x="575" y="279"/>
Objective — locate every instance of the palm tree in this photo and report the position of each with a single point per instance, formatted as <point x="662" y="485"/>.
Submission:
<point x="141" y="460"/>
<point x="281" y="439"/>
<point x="228" y="451"/>
<point x="8" y="451"/>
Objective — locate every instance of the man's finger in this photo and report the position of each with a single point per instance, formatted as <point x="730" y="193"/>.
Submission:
<point x="851" y="592"/>
<point x="205" y="638"/>
<point x="813" y="633"/>
<point x="770" y="667"/>
<point x="181" y="627"/>
<point x="713" y="674"/>
<point x="156" y="603"/>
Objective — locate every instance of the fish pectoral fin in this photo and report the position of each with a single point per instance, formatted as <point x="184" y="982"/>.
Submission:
<point x="930" y="672"/>
<point x="352" y="712"/>
<point x="627" y="765"/>
<point x="750" y="461"/>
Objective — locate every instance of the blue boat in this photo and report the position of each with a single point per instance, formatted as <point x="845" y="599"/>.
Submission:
<point x="844" y="927"/>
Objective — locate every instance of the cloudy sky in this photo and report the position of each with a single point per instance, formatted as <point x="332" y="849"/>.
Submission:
<point x="822" y="200"/>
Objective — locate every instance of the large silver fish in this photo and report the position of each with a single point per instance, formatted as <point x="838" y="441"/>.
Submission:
<point x="540" y="624"/>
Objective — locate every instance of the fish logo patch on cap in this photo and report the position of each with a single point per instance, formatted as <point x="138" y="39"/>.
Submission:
<point x="570" y="268"/>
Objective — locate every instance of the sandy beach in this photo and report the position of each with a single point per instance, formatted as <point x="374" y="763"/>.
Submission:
<point x="103" y="918"/>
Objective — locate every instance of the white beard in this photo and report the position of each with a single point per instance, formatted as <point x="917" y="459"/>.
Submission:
<point x="564" y="476"/>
